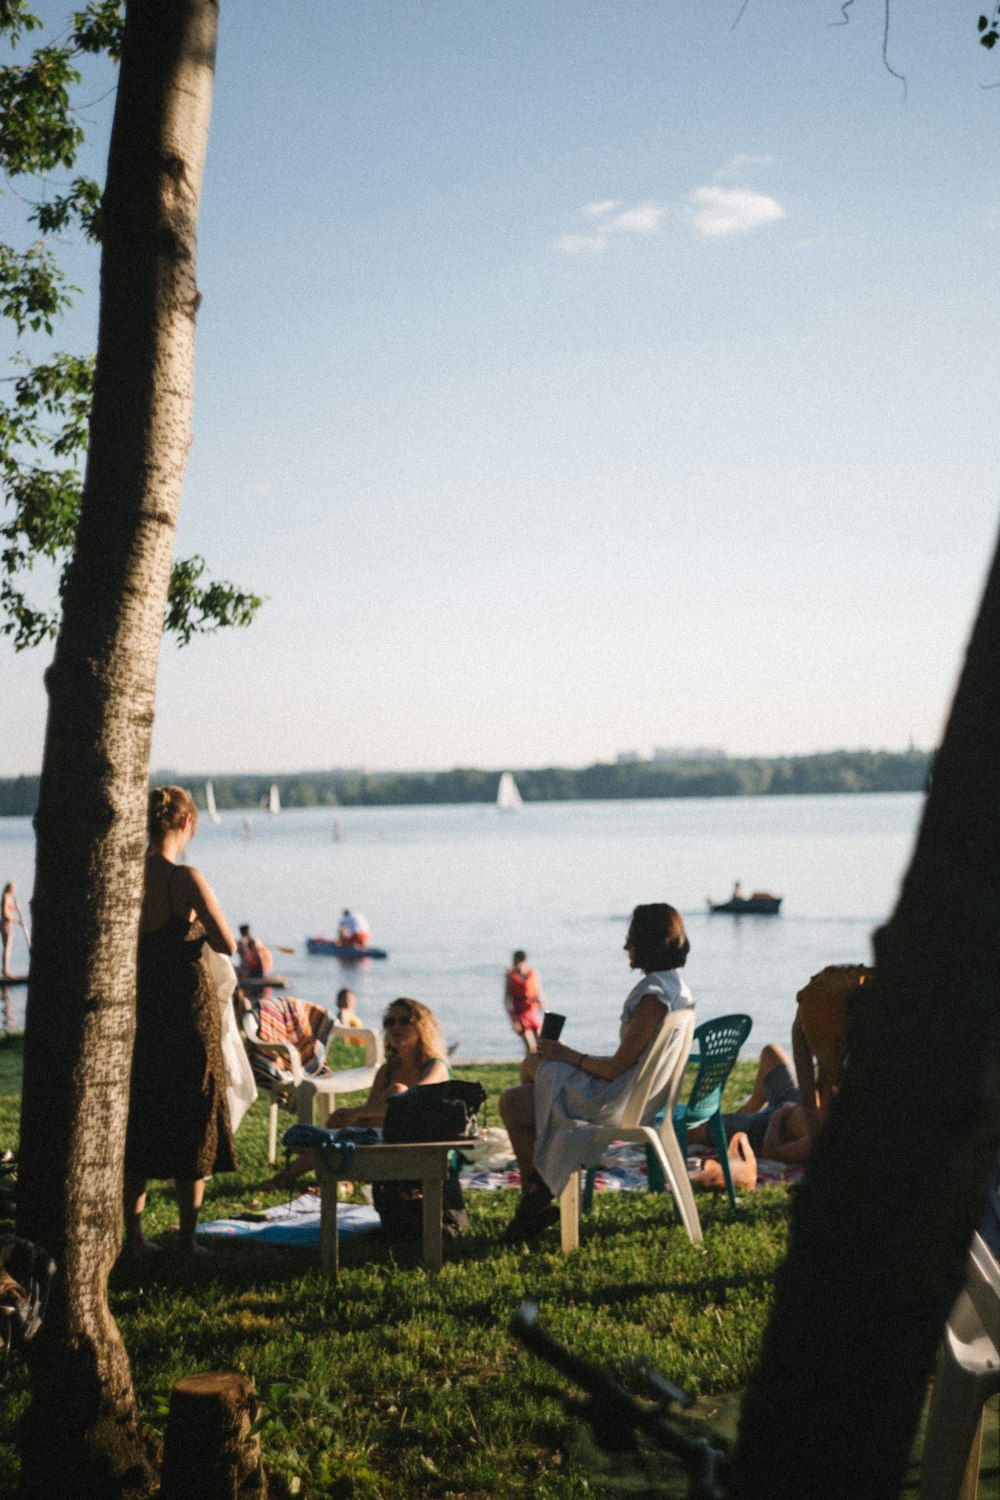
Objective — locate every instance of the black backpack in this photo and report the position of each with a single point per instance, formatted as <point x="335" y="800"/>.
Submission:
<point x="429" y="1112"/>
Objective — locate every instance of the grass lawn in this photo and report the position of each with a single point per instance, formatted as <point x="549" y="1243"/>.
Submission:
<point x="395" y="1384"/>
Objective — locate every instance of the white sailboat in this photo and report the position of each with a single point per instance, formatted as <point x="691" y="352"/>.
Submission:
<point x="273" y="800"/>
<point x="213" y="811"/>
<point x="508" y="796"/>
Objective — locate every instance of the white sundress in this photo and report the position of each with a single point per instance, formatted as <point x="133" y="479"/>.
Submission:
<point x="571" y="1106"/>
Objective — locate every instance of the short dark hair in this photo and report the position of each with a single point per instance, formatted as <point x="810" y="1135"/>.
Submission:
<point x="656" y="933"/>
<point x="519" y="956"/>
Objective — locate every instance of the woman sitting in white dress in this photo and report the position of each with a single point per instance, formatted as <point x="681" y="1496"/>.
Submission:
<point x="563" y="1090"/>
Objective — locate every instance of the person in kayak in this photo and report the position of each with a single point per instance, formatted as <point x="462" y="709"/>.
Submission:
<point x="353" y="931"/>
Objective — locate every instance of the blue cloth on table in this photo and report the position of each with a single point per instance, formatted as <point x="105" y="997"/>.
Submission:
<point x="335" y="1147"/>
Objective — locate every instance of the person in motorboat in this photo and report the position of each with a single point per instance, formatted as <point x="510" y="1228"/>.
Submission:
<point x="353" y="931"/>
<point x="523" y="1000"/>
<point x="562" y="1086"/>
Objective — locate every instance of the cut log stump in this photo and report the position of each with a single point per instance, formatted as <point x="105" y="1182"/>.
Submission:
<point x="208" y="1450"/>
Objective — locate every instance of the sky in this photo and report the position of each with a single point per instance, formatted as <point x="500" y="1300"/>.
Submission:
<point x="579" y="376"/>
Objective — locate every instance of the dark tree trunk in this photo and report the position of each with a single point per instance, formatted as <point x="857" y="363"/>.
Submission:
<point x="82" y="1435"/>
<point x="881" y="1228"/>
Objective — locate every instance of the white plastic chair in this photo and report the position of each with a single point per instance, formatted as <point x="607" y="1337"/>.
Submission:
<point x="306" y="1088"/>
<point x="967" y="1375"/>
<point x="671" y="1044"/>
<point x="323" y="1088"/>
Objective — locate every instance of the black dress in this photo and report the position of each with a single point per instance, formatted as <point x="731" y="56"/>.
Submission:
<point x="178" y="1122"/>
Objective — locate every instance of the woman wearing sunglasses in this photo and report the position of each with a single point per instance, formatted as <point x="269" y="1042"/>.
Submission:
<point x="415" y="1053"/>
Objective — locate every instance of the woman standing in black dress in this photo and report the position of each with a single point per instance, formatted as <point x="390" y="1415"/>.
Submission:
<point x="178" y="1123"/>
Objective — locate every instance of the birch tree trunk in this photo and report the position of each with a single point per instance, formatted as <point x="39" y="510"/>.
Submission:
<point x="82" y="1435"/>
<point x="881" y="1228"/>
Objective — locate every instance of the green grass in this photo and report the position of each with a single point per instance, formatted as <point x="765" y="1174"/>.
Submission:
<point x="396" y="1384"/>
<point x="393" y="1383"/>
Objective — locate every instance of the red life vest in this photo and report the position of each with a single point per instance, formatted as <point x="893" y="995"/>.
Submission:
<point x="523" y="990"/>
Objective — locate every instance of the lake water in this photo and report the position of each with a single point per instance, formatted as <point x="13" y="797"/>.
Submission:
<point x="451" y="891"/>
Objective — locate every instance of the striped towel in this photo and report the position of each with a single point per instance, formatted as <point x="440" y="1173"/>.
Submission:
<point x="298" y="1023"/>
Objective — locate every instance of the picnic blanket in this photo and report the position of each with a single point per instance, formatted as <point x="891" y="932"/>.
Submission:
<point x="622" y="1169"/>
<point x="297" y="1023"/>
<point x="491" y="1168"/>
<point x="295" y="1223"/>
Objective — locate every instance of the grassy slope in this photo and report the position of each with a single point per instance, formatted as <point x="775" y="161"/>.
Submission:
<point x="395" y="1384"/>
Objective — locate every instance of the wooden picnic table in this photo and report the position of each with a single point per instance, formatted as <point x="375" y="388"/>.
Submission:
<point x="424" y="1161"/>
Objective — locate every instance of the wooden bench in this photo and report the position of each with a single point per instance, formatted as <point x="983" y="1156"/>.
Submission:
<point x="426" y="1162"/>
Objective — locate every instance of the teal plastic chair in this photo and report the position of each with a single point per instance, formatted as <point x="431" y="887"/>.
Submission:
<point x="719" y="1044"/>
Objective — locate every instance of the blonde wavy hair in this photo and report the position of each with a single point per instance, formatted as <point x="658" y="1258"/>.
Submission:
<point x="429" y="1038"/>
<point x="168" y="807"/>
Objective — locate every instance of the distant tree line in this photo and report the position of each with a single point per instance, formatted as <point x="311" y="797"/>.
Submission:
<point x="790" y="775"/>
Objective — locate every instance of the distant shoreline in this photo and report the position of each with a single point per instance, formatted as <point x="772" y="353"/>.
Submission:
<point x="832" y="772"/>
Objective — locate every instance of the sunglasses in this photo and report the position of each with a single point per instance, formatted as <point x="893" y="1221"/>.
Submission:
<point x="391" y="1021"/>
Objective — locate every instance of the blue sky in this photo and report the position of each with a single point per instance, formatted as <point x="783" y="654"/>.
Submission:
<point x="577" y="377"/>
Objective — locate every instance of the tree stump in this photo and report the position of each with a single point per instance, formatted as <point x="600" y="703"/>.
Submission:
<point x="208" y="1451"/>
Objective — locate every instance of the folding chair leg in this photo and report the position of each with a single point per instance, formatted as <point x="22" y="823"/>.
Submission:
<point x="717" y="1131"/>
<point x="272" y="1131"/>
<point x="655" y="1179"/>
<point x="674" y="1168"/>
<point x="569" y="1214"/>
<point x="588" y="1189"/>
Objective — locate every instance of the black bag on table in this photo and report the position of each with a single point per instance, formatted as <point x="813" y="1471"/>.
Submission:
<point x="430" y="1112"/>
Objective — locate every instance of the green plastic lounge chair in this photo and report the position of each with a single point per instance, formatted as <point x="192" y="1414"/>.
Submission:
<point x="719" y="1044"/>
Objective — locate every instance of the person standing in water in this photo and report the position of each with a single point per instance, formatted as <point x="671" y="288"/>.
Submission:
<point x="522" y="994"/>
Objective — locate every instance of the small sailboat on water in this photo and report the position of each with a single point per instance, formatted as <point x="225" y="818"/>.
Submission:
<point x="508" y="796"/>
<point x="213" y="811"/>
<point x="272" y="802"/>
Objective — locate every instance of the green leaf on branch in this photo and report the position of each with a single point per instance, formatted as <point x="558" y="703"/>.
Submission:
<point x="44" y="420"/>
<point x="196" y="608"/>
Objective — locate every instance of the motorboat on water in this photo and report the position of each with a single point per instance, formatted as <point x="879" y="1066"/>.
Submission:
<point x="760" y="904"/>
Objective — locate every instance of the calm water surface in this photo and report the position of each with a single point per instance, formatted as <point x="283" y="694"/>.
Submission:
<point x="450" y="891"/>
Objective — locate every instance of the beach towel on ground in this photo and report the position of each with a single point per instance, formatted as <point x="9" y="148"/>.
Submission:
<point x="297" y="1023"/>
<point x="295" y="1223"/>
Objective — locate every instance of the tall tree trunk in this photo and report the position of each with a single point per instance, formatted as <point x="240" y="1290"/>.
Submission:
<point x="881" y="1228"/>
<point x="82" y="1435"/>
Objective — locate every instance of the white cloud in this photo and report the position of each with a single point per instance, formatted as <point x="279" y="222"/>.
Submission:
<point x="718" y="212"/>
<point x="643" y="219"/>
<point x="580" y="244"/>
<point x="737" y="165"/>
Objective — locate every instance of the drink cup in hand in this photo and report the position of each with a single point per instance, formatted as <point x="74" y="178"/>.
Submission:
<point x="552" y="1025"/>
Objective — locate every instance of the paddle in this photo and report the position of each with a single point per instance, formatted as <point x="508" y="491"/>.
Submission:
<point x="23" y="925"/>
<point x="280" y="948"/>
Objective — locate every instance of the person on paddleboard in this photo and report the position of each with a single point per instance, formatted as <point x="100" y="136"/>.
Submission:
<point x="8" y="917"/>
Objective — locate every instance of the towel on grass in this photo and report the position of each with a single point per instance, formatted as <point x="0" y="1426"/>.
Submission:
<point x="295" y="1223"/>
